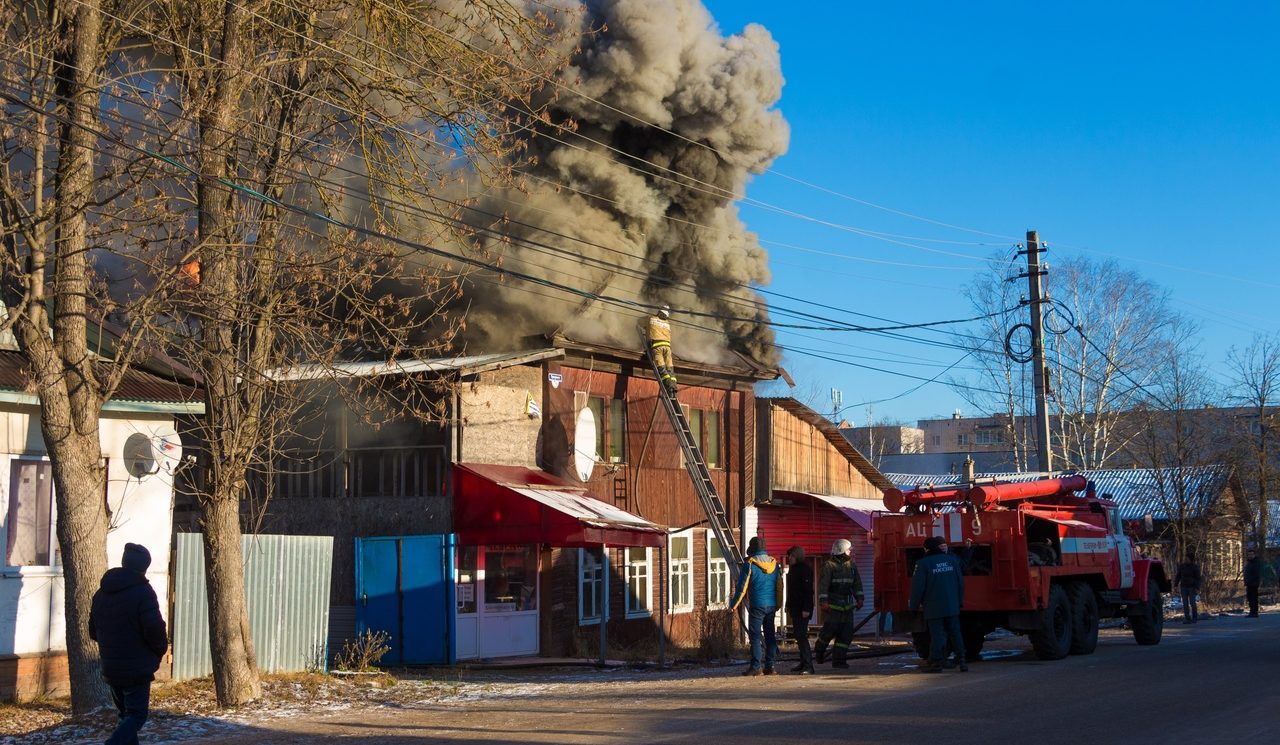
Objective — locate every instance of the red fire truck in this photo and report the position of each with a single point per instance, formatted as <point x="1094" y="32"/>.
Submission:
<point x="1039" y="558"/>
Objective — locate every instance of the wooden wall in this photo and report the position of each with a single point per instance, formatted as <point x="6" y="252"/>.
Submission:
<point x="802" y="459"/>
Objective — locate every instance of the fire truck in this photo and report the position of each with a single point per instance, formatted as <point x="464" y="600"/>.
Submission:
<point x="1040" y="559"/>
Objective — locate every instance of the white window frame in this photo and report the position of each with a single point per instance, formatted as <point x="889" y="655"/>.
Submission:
<point x="598" y="582"/>
<point x="717" y="567"/>
<point x="638" y="562"/>
<point x="679" y="570"/>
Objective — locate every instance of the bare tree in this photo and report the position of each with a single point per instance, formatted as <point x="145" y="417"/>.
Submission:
<point x="318" y="134"/>
<point x="1175" y="431"/>
<point x="1256" y="385"/>
<point x="1002" y="384"/>
<point x="50" y="80"/>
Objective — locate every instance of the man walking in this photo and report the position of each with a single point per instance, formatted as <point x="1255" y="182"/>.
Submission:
<point x="937" y="588"/>
<point x="760" y="584"/>
<point x="125" y="621"/>
<point x="839" y="597"/>
<point x="800" y="606"/>
<point x="660" y="348"/>
<point x="1188" y="579"/>
<point x="1252" y="579"/>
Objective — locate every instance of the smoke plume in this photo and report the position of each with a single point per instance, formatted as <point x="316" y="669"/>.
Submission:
<point x="672" y="119"/>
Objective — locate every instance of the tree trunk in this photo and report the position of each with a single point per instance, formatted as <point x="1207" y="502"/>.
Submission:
<point x="70" y="401"/>
<point x="235" y="677"/>
<point x="235" y="670"/>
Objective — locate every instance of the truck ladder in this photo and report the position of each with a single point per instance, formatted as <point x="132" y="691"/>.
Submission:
<point x="697" y="467"/>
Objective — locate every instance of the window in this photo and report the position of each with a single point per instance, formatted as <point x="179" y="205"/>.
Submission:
<point x="617" y="431"/>
<point x="962" y="438"/>
<point x="712" y="438"/>
<point x="937" y="440"/>
<point x="717" y="574"/>
<point x="510" y="578"/>
<point x="466" y="582"/>
<point x="596" y="404"/>
<point x="611" y="428"/>
<point x="991" y="437"/>
<point x="705" y="428"/>
<point x="681" y="571"/>
<point x="639" y="588"/>
<point x="30" y="518"/>
<point x="590" y="585"/>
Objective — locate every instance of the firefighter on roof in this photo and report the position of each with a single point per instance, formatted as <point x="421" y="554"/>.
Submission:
<point x="660" y="347"/>
<point x="839" y="596"/>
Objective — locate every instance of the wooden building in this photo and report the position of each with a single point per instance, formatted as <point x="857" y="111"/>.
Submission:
<point x="813" y="488"/>
<point x="573" y="432"/>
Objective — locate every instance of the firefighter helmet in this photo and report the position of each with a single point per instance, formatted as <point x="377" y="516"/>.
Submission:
<point x="841" y="547"/>
<point x="664" y="311"/>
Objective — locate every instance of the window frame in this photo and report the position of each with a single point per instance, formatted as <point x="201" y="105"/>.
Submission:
<point x="713" y="569"/>
<point x="597" y="584"/>
<point x="685" y="568"/>
<point x="616" y="442"/>
<point x="630" y="563"/>
<point x="43" y="470"/>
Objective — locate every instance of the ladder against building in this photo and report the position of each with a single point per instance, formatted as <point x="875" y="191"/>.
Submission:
<point x="697" y="467"/>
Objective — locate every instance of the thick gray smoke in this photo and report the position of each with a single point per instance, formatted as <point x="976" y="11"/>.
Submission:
<point x="673" y="118"/>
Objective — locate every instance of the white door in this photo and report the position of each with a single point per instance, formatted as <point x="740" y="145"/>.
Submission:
<point x="501" y="619"/>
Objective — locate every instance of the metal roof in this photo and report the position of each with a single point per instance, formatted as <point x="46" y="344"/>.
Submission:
<point x="137" y="386"/>
<point x="1138" y="491"/>
<point x="469" y="364"/>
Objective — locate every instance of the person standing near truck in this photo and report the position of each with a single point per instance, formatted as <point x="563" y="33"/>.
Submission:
<point x="1252" y="580"/>
<point x="937" y="588"/>
<point x="1187" y="578"/>
<point x="839" y="596"/>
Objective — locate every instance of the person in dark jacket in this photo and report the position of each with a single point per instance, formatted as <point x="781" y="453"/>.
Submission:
<point x="760" y="584"/>
<point x="937" y="588"/>
<point x="839" y="597"/>
<point x="126" y="623"/>
<point x="1188" y="579"/>
<point x="1252" y="580"/>
<point x="800" y="606"/>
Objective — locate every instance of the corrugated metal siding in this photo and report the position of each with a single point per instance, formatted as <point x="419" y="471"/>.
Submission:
<point x="815" y="527"/>
<point x="287" y="591"/>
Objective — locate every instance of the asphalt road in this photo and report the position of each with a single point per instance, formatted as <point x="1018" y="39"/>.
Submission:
<point x="1213" y="682"/>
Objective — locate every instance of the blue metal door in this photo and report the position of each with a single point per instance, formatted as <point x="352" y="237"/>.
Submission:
<point x="404" y="587"/>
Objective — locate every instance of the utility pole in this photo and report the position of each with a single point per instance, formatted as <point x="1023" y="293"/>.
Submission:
<point x="1034" y="272"/>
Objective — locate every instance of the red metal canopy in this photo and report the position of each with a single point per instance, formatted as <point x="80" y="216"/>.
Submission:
<point x="510" y="504"/>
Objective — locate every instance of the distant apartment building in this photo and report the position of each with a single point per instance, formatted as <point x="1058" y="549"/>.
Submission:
<point x="966" y="434"/>
<point x="885" y="439"/>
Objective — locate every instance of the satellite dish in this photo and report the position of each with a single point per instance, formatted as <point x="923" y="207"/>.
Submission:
<point x="140" y="456"/>
<point x="584" y="444"/>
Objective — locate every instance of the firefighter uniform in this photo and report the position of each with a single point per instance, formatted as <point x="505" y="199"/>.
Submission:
<point x="660" y="346"/>
<point x="839" y="595"/>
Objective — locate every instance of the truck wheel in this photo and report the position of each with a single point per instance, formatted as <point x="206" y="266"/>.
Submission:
<point x="1052" y="641"/>
<point x="1084" y="618"/>
<point x="1148" y="625"/>
<point x="920" y="640"/>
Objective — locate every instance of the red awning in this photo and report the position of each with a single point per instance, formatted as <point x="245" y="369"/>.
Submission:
<point x="859" y="511"/>
<point x="510" y="504"/>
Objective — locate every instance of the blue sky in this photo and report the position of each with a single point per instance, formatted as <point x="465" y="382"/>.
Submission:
<point x="1144" y="132"/>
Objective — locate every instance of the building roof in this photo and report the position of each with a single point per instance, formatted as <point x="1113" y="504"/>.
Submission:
<point x="138" y="390"/>
<point x="748" y="370"/>
<point x="466" y="365"/>
<point x="1138" y="491"/>
<point x="832" y="434"/>
<point x="993" y="461"/>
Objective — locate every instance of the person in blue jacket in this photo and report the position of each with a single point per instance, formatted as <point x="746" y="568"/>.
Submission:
<point x="937" y="588"/>
<point x="760" y="584"/>
<point x="126" y="623"/>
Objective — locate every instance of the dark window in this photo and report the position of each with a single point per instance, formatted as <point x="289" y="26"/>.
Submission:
<point x="29" y="523"/>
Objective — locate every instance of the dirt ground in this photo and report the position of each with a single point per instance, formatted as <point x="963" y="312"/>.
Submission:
<point x="187" y="712"/>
